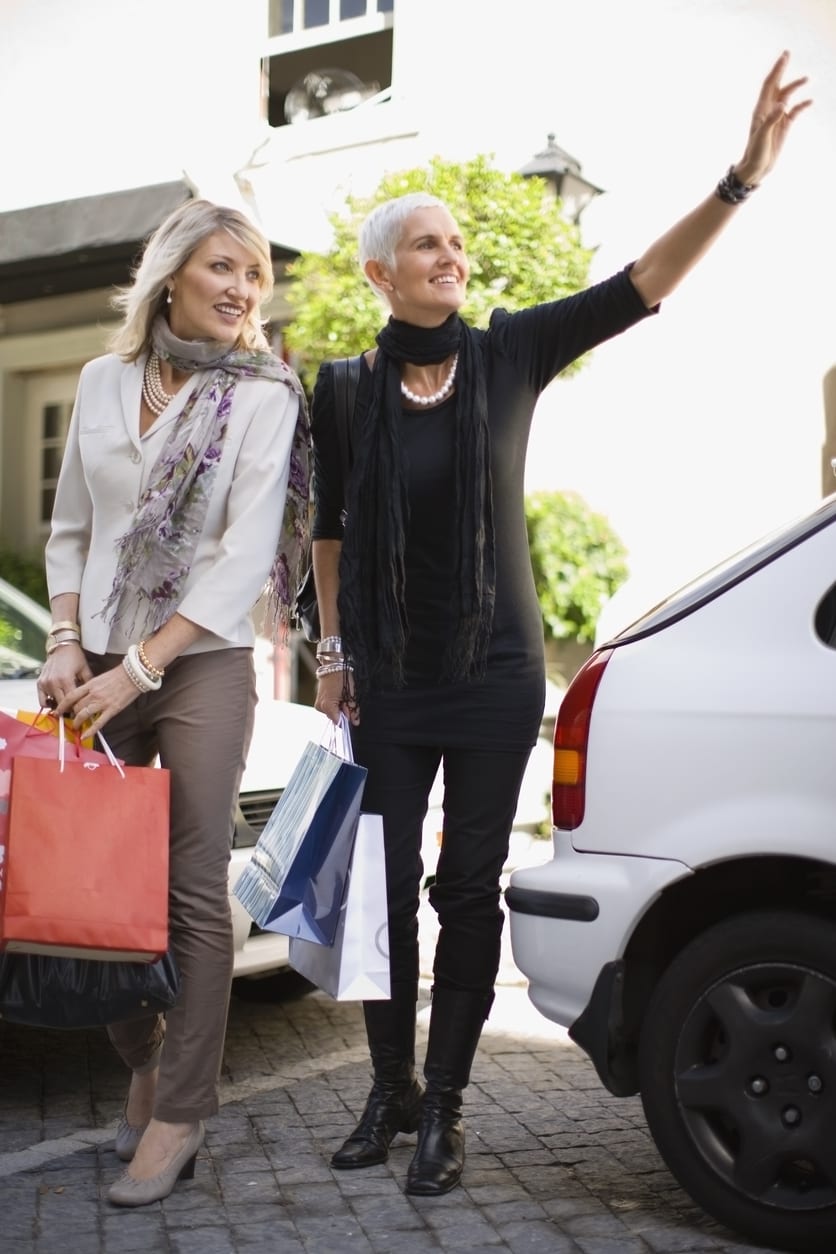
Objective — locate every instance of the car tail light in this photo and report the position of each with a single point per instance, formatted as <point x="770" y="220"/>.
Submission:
<point x="571" y="736"/>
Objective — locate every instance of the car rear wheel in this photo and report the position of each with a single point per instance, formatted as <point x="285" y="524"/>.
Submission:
<point x="737" y="1067"/>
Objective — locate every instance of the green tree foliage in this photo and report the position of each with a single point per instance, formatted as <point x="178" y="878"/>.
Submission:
<point x="521" y="250"/>
<point x="578" y="562"/>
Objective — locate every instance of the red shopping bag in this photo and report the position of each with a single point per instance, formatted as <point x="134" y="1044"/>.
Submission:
<point x="87" y="858"/>
<point x="18" y="737"/>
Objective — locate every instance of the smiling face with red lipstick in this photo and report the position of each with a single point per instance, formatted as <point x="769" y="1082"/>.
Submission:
<point x="216" y="290"/>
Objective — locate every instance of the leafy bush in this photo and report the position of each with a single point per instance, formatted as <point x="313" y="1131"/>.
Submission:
<point x="521" y="251"/>
<point x="578" y="562"/>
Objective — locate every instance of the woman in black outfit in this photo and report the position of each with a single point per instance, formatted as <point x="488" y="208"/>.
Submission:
<point x="432" y="635"/>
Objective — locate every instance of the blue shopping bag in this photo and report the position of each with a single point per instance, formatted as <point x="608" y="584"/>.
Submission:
<point x="295" y="880"/>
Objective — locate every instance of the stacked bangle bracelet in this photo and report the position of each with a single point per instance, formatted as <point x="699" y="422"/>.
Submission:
<point x="65" y="632"/>
<point x="52" y="644"/>
<point x="330" y="656"/>
<point x="141" y="675"/>
<point x="329" y="645"/>
<point x="333" y="668"/>
<point x="731" y="190"/>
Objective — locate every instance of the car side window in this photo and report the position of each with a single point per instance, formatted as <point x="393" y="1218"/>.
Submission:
<point x="22" y="643"/>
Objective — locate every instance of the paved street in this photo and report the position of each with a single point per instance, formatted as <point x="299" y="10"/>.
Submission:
<point x="554" y="1163"/>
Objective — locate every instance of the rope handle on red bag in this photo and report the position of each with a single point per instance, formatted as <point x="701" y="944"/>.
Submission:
<point x="75" y="737"/>
<point x="109" y="754"/>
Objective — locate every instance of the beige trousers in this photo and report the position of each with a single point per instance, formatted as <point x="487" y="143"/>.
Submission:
<point x="200" y="722"/>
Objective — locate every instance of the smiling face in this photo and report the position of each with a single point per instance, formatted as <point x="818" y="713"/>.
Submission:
<point x="428" y="281"/>
<point x="215" y="291"/>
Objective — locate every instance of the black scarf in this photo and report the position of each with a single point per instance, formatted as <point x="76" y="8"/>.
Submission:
<point x="372" y="578"/>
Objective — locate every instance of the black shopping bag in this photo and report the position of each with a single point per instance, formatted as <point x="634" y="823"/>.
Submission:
<point x="54" y="992"/>
<point x="295" y="880"/>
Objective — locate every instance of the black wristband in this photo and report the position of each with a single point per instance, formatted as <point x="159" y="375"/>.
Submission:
<point x="731" y="190"/>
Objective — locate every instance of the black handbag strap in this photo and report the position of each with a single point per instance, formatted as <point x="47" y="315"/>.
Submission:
<point x="346" y="376"/>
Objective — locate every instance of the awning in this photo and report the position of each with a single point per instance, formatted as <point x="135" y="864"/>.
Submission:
<point x="84" y="244"/>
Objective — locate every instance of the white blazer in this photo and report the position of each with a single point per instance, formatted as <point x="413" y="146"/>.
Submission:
<point x="105" y="469"/>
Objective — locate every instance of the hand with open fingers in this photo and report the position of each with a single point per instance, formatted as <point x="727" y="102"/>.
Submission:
<point x="335" y="696"/>
<point x="93" y="703"/>
<point x="62" y="672"/>
<point x="772" y="118"/>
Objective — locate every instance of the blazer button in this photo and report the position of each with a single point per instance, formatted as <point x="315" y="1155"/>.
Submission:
<point x="136" y="456"/>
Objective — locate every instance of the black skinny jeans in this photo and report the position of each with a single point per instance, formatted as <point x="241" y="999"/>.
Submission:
<point x="481" y="790"/>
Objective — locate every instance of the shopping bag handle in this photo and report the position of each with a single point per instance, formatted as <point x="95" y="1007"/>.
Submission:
<point x="338" y="738"/>
<point x="109" y="754"/>
<point x="45" y="713"/>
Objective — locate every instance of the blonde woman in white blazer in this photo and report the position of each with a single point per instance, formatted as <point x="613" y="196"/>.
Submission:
<point x="183" y="492"/>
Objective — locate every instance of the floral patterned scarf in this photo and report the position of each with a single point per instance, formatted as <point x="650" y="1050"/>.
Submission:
<point x="156" y="553"/>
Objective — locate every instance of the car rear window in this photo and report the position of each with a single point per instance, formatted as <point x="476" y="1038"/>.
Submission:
<point x="731" y="570"/>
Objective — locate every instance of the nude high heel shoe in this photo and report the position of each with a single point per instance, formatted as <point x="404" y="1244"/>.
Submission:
<point x="127" y="1137"/>
<point x="126" y="1191"/>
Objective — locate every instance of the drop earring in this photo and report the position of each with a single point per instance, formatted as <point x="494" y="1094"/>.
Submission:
<point x="168" y="297"/>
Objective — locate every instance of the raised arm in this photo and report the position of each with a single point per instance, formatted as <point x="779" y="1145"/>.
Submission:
<point x="663" y="266"/>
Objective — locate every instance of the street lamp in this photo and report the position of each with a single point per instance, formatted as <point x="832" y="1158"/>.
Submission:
<point x="562" y="172"/>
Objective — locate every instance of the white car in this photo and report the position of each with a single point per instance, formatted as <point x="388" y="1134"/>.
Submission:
<point x="684" y="930"/>
<point x="282" y="729"/>
<point x="23" y="630"/>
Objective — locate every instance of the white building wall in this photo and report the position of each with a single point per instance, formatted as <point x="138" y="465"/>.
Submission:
<point x="99" y="95"/>
<point x="694" y="433"/>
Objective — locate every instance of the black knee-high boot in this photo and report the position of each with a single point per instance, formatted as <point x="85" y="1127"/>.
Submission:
<point x="394" y="1103"/>
<point x="456" y="1020"/>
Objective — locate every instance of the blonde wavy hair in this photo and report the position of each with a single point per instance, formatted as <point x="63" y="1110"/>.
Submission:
<point x="169" y="248"/>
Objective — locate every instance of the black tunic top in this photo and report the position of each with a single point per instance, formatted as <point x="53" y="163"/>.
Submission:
<point x="502" y="709"/>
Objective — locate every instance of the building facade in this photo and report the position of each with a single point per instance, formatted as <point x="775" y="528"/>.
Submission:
<point x="694" y="433"/>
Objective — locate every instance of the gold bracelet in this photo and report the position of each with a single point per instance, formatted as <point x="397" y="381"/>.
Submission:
<point x="64" y="638"/>
<point x="156" y="672"/>
<point x="65" y="625"/>
<point x="56" y="644"/>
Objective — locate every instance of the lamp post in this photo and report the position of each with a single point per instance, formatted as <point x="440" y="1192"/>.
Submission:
<point x="562" y="172"/>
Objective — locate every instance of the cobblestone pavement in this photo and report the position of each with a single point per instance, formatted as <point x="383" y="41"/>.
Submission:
<point x="554" y="1163"/>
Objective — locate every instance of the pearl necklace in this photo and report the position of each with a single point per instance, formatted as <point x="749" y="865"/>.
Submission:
<point x="445" y="389"/>
<point x="153" y="392"/>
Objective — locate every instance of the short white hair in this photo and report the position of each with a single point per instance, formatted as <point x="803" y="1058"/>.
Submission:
<point x="381" y="232"/>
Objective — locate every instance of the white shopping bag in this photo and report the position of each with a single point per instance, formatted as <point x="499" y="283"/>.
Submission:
<point x="356" y="966"/>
